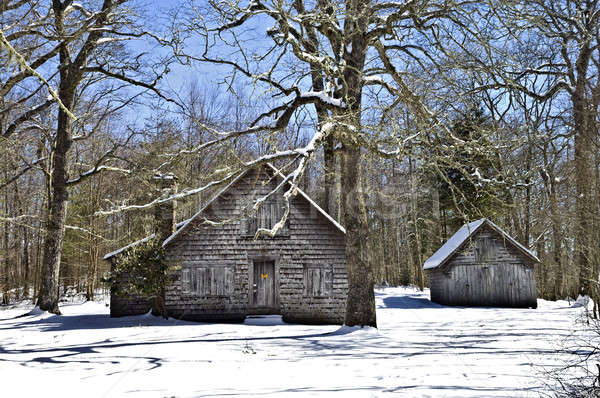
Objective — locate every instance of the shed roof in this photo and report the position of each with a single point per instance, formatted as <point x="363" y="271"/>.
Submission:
<point x="183" y="224"/>
<point x="448" y="249"/>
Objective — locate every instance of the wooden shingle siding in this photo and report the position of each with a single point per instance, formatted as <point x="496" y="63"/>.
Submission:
<point x="486" y="271"/>
<point x="310" y="241"/>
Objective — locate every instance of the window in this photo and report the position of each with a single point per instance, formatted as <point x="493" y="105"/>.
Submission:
<point x="267" y="215"/>
<point x="318" y="280"/>
<point x="207" y="281"/>
<point x="485" y="250"/>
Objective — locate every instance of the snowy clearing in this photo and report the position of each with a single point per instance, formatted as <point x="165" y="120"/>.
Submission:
<point x="420" y="349"/>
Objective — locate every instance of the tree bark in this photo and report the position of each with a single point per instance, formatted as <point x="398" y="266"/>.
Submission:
<point x="330" y="176"/>
<point x="418" y="261"/>
<point x="71" y="74"/>
<point x="583" y="195"/>
<point x="56" y="217"/>
<point x="6" y="246"/>
<point x="57" y="214"/>
<point x="360" y="304"/>
<point x="556" y="241"/>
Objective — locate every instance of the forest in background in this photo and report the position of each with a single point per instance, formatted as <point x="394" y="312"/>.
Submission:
<point x="494" y="114"/>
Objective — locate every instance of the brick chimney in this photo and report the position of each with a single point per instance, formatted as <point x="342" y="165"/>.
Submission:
<point x="164" y="213"/>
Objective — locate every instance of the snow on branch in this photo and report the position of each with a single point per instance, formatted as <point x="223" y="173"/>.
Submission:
<point x="105" y="40"/>
<point x="14" y="54"/>
<point x="324" y="98"/>
<point x="180" y="195"/>
<point x="96" y="170"/>
<point x="77" y="6"/>
<point x="292" y="179"/>
<point x="400" y="147"/>
<point x="100" y="165"/>
<point x="189" y="192"/>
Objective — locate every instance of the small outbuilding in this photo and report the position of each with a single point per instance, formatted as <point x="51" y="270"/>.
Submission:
<point x="226" y="274"/>
<point x="481" y="265"/>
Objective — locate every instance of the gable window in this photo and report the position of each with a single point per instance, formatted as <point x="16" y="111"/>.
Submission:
<point x="318" y="280"/>
<point x="267" y="215"/>
<point x="485" y="250"/>
<point x="207" y="281"/>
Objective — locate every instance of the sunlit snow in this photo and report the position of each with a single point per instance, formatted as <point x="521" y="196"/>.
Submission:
<point x="420" y="349"/>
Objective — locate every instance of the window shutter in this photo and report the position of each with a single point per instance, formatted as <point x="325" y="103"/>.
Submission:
<point x="327" y="281"/>
<point x="307" y="281"/>
<point x="194" y="281"/>
<point x="318" y="280"/>
<point x="203" y="284"/>
<point x="267" y="215"/>
<point x="485" y="249"/>
<point x="285" y="230"/>
<point x="275" y="215"/>
<point x="251" y="224"/>
<point x="243" y="226"/>
<point x="228" y="280"/>
<point x="208" y="281"/>
<point x="186" y="286"/>
<point x="214" y="282"/>
<point x="313" y="282"/>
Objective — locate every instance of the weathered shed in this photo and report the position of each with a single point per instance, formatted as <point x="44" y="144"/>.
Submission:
<point x="226" y="274"/>
<point x="481" y="265"/>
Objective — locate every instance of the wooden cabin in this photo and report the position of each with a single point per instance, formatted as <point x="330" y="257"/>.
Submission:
<point x="226" y="274"/>
<point x="481" y="265"/>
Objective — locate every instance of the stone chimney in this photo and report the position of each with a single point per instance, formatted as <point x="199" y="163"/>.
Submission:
<point x="164" y="213"/>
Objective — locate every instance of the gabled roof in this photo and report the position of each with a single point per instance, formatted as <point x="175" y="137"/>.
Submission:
<point x="137" y="242"/>
<point x="183" y="225"/>
<point x="448" y="249"/>
<point x="312" y="202"/>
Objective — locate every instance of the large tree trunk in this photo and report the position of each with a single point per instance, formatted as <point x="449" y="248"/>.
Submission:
<point x="57" y="213"/>
<point x="71" y="73"/>
<point x="360" y="305"/>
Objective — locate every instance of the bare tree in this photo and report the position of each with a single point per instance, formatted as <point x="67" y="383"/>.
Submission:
<point x="83" y="43"/>
<point x="560" y="58"/>
<point x="318" y="58"/>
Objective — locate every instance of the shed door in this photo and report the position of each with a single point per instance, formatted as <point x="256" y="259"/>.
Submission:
<point x="264" y="298"/>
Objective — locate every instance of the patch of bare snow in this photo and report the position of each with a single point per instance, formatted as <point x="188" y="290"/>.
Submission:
<point x="420" y="349"/>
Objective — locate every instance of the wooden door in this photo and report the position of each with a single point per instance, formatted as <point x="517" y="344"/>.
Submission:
<point x="264" y="295"/>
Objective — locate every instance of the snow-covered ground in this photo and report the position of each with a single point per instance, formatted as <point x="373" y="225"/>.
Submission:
<point x="420" y="349"/>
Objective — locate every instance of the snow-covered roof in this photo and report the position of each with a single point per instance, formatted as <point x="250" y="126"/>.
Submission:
<point x="462" y="235"/>
<point x="137" y="242"/>
<point x="182" y="225"/>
